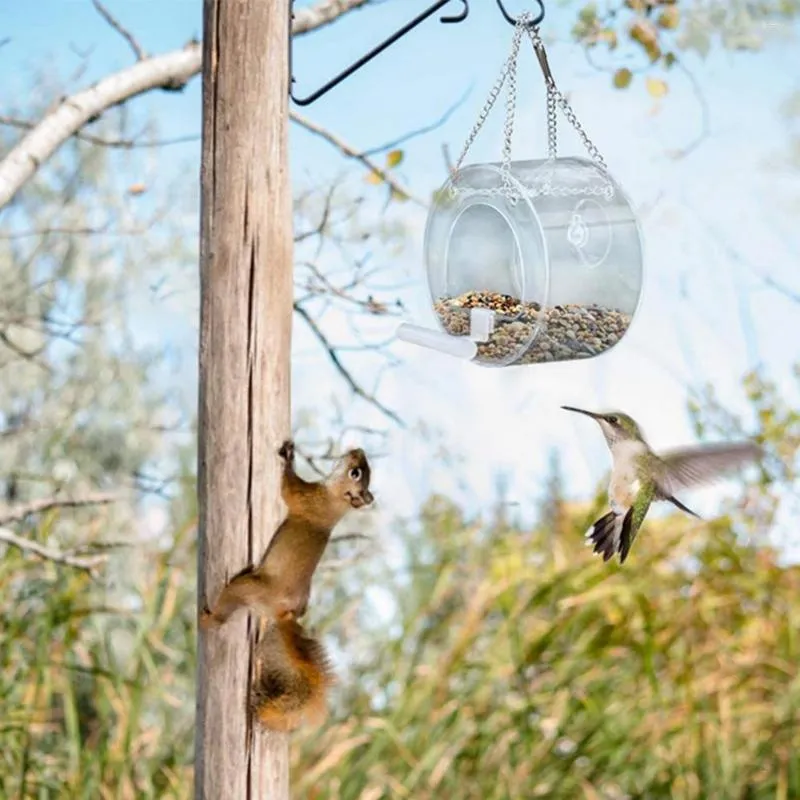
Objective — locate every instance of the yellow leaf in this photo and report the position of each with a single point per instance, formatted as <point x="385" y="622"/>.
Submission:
<point x="670" y="17"/>
<point x="654" y="51"/>
<point x="656" y="87"/>
<point x="644" y="32"/>
<point x="374" y="177"/>
<point x="607" y="35"/>
<point x="393" y="158"/>
<point x="623" y="78"/>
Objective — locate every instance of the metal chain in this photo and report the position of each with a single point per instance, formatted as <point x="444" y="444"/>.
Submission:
<point x="511" y="106"/>
<point x="554" y="96"/>
<point x="552" y="123"/>
<point x="555" y="99"/>
<point x="509" y="71"/>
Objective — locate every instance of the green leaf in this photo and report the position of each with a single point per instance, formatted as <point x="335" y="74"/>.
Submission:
<point x="588" y="14"/>
<point x="669" y="18"/>
<point x="623" y="78"/>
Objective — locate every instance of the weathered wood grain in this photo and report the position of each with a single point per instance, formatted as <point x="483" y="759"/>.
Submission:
<point x="245" y="333"/>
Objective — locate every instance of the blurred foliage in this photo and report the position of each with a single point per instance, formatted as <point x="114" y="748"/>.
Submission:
<point x="654" y="33"/>
<point x="96" y="673"/>
<point x="514" y="664"/>
<point x="483" y="658"/>
<point x="96" y="701"/>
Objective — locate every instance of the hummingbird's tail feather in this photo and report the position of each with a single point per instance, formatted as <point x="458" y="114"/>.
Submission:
<point x="612" y="534"/>
<point x="677" y="503"/>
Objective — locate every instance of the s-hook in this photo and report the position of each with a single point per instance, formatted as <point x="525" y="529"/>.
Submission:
<point x="532" y="23"/>
<point x="459" y="17"/>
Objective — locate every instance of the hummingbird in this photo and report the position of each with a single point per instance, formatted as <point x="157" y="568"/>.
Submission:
<point x="640" y="477"/>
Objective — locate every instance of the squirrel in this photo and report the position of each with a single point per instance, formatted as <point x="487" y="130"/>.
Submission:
<point x="293" y="672"/>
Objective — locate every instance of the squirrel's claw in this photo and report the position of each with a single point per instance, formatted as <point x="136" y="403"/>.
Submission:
<point x="287" y="451"/>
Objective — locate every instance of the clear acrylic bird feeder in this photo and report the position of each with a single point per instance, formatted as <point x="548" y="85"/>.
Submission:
<point x="530" y="261"/>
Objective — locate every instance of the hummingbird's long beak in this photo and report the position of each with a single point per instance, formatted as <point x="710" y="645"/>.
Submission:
<point x="582" y="411"/>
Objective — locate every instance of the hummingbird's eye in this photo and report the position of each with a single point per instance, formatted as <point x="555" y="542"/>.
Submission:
<point x="613" y="420"/>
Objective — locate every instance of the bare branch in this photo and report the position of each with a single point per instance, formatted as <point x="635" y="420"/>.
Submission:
<point x="27" y="355"/>
<point x="122" y="144"/>
<point x="350" y="152"/>
<point x="320" y="228"/>
<point x="419" y="131"/>
<point x="170" y="72"/>
<point x="87" y="563"/>
<point x="341" y="369"/>
<point x="324" y="287"/>
<point x="323" y="13"/>
<point x="17" y="513"/>
<point x="448" y="161"/>
<point x="790" y="294"/>
<point x="705" y="123"/>
<point x="120" y="29"/>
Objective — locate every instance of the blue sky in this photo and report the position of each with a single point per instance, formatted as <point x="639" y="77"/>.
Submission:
<point x="713" y="220"/>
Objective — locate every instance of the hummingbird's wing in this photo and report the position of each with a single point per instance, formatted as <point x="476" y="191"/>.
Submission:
<point x="692" y="466"/>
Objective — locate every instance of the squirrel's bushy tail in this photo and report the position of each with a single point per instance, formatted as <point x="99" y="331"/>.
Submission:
<point x="293" y="674"/>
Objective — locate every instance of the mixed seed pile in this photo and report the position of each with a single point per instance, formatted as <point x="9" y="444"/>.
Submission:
<point x="568" y="331"/>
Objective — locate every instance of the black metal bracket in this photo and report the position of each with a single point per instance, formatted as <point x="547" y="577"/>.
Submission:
<point x="452" y="18"/>
<point x="531" y="23"/>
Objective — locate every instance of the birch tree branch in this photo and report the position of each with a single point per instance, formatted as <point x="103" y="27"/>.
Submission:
<point x="86" y="563"/>
<point x="170" y="71"/>
<point x="18" y="512"/>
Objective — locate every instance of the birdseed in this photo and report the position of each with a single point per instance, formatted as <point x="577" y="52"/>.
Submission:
<point x="567" y="331"/>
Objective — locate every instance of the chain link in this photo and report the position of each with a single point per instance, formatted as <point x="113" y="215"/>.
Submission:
<point x="509" y="71"/>
<point x="511" y="107"/>
<point x="555" y="99"/>
<point x="552" y="123"/>
<point x="554" y="96"/>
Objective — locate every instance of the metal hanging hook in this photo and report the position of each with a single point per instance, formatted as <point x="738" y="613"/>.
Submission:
<point x="452" y="18"/>
<point x="532" y="23"/>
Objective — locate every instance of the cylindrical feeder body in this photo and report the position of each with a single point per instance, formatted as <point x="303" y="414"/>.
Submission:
<point x="553" y="249"/>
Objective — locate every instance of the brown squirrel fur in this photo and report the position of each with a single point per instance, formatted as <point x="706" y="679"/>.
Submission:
<point x="292" y="669"/>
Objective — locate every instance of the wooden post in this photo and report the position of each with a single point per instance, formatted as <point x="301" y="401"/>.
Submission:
<point x="245" y="337"/>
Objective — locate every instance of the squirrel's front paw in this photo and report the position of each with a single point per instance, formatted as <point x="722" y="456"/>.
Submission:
<point x="208" y="620"/>
<point x="287" y="451"/>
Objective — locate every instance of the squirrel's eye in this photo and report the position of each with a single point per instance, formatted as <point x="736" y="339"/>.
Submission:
<point x="355" y="474"/>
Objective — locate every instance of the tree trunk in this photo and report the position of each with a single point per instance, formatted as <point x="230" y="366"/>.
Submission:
<point x="245" y="337"/>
